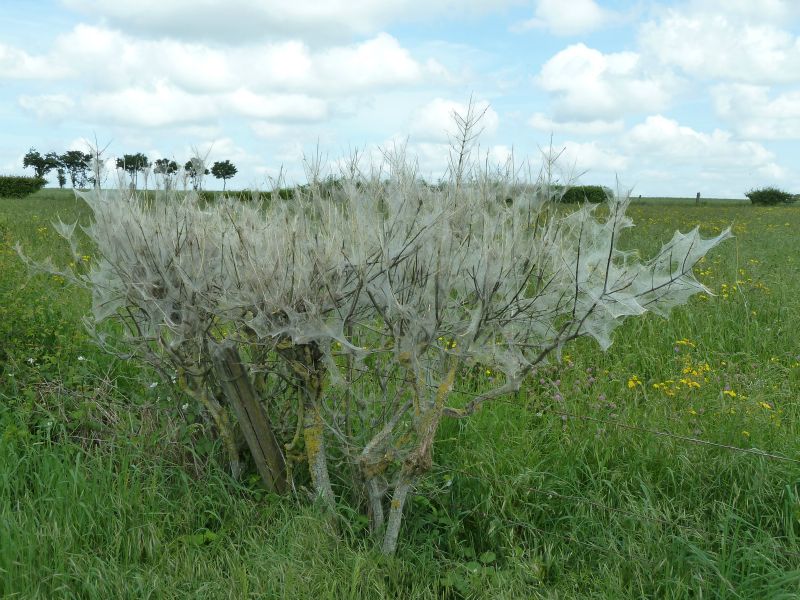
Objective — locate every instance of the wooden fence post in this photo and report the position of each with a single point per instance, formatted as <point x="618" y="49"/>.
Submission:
<point x="253" y="420"/>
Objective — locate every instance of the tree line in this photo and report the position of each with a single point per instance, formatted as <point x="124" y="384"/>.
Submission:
<point x="77" y="166"/>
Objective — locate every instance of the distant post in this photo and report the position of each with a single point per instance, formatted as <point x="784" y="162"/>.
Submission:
<point x="697" y="200"/>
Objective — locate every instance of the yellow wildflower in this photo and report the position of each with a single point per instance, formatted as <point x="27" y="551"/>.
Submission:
<point x="633" y="381"/>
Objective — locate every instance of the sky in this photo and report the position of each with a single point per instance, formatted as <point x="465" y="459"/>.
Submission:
<point x="668" y="98"/>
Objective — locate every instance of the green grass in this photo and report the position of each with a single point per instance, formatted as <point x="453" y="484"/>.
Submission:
<point x="107" y="492"/>
<point x="682" y="200"/>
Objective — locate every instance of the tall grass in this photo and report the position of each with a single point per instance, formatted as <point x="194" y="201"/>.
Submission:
<point x="106" y="490"/>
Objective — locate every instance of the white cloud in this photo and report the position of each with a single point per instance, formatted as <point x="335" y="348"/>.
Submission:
<point x="164" y="105"/>
<point x="282" y="107"/>
<point x="588" y="85"/>
<point x="238" y="20"/>
<point x="433" y="158"/>
<point x="18" y="64"/>
<point x="744" y="46"/>
<point x="665" y="139"/>
<point x="542" y="122"/>
<point x="762" y="10"/>
<point x="499" y="155"/>
<point x="83" y="144"/>
<point x="244" y="20"/>
<point x="291" y="152"/>
<point x="772" y="172"/>
<point x="160" y="83"/>
<point x="222" y="149"/>
<point x="105" y="59"/>
<point x="266" y="130"/>
<point x="579" y="157"/>
<point x="378" y="62"/>
<point x="48" y="107"/>
<point x="111" y="59"/>
<point x="434" y="121"/>
<point x="580" y="16"/>
<point x="160" y="106"/>
<point x="206" y="131"/>
<point x="754" y="115"/>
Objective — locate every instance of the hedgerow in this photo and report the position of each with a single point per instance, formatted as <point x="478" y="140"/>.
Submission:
<point x="17" y="186"/>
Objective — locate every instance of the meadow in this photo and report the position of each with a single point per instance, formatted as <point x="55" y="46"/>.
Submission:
<point x="667" y="467"/>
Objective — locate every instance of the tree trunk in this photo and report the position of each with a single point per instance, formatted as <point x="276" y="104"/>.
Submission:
<point x="396" y="515"/>
<point x="375" y="496"/>
<point x="317" y="455"/>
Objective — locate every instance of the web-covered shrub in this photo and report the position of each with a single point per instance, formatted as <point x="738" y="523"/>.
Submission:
<point x="329" y="331"/>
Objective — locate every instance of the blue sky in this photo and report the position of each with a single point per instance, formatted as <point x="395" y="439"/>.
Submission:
<point x="672" y="98"/>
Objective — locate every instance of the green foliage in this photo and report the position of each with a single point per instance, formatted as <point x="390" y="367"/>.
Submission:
<point x="165" y="166"/>
<point x="770" y="196"/>
<point x="15" y="186"/>
<point x="223" y="170"/>
<point x="284" y="193"/>
<point x="76" y="164"/>
<point x="165" y="170"/>
<point x="41" y="165"/>
<point x="586" y="193"/>
<point x="133" y="164"/>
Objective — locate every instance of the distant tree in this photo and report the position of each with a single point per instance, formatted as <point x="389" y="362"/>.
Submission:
<point x="54" y="162"/>
<point x="223" y="170"/>
<point x="41" y="165"/>
<point x="133" y="164"/>
<point x="165" y="166"/>
<point x="196" y="168"/>
<point x="76" y="164"/>
<point x="166" y="169"/>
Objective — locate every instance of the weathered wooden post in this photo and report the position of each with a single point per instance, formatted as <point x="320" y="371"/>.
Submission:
<point x="238" y="389"/>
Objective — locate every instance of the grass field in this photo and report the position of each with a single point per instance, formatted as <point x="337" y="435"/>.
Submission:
<point x="668" y="467"/>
